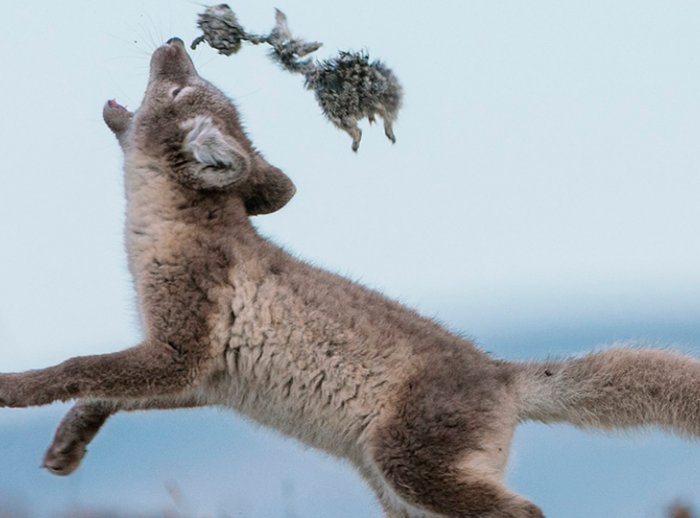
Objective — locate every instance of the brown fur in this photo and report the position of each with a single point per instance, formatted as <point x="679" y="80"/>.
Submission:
<point x="232" y="320"/>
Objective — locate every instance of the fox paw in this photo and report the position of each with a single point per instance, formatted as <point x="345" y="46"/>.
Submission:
<point x="64" y="456"/>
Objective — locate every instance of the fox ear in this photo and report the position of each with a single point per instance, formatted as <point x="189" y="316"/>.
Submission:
<point x="222" y="161"/>
<point x="117" y="118"/>
<point x="267" y="189"/>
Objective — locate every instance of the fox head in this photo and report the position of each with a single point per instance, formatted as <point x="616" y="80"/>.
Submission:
<point x="192" y="131"/>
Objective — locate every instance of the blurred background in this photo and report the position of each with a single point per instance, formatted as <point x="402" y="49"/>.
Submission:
<point x="542" y="198"/>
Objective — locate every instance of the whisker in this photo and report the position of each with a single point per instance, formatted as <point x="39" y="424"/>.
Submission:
<point x="145" y="31"/>
<point x="207" y="62"/>
<point x="133" y="44"/>
<point x="132" y="28"/>
<point x="170" y="22"/>
<point x="156" y="31"/>
<point x="115" y="58"/>
<point x="198" y="54"/>
<point x="127" y="100"/>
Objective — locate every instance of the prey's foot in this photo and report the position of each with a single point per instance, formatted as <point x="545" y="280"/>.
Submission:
<point x="389" y="132"/>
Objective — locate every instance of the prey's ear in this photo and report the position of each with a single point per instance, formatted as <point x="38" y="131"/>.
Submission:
<point x="221" y="161"/>
<point x="267" y="189"/>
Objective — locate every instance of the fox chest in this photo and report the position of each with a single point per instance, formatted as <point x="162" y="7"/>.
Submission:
<point x="290" y="371"/>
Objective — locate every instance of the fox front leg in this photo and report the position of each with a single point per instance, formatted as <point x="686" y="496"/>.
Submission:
<point x="148" y="370"/>
<point x="82" y="423"/>
<point x="77" y="429"/>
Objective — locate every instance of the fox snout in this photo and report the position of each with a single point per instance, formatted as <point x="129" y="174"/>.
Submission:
<point x="172" y="62"/>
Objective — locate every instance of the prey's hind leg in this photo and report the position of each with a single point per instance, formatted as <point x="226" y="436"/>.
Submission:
<point x="350" y="126"/>
<point x="82" y="422"/>
<point x="389" y="130"/>
<point x="388" y="118"/>
<point x="442" y="451"/>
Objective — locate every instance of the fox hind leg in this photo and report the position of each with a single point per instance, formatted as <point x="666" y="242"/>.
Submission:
<point x="438" y="491"/>
<point x="443" y="450"/>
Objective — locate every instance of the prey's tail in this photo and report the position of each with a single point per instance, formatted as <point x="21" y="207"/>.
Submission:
<point x="616" y="388"/>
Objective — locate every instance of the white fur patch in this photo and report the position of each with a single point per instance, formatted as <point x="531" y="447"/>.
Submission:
<point x="206" y="142"/>
<point x="210" y="147"/>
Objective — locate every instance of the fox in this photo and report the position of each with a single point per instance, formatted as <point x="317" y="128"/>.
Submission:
<point x="231" y="320"/>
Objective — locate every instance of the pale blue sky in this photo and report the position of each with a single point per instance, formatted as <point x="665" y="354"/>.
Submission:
<point x="542" y="196"/>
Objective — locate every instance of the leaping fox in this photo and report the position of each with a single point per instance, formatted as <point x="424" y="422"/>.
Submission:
<point x="232" y="320"/>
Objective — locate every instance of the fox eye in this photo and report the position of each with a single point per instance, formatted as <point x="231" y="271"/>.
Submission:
<point x="175" y="91"/>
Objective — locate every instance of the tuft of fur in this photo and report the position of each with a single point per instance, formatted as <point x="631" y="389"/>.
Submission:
<point x="615" y="388"/>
